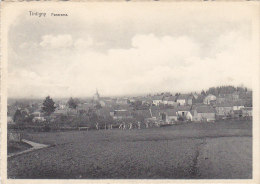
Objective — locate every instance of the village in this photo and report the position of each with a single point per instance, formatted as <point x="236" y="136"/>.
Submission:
<point x="216" y="104"/>
<point x="132" y="136"/>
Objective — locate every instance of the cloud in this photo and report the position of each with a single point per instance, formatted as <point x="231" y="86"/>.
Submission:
<point x="152" y="64"/>
<point x="83" y="43"/>
<point x="55" y="42"/>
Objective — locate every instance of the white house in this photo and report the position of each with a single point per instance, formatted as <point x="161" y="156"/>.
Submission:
<point x="171" y="100"/>
<point x="238" y="106"/>
<point x="209" y="99"/>
<point x="185" y="99"/>
<point x="184" y="112"/>
<point x="38" y="116"/>
<point x="157" y="100"/>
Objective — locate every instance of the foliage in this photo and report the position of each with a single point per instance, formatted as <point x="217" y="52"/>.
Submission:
<point x="21" y="116"/>
<point x="177" y="94"/>
<point x="225" y="90"/>
<point x="98" y="105"/>
<point x="48" y="106"/>
<point x="18" y="116"/>
<point x="73" y="103"/>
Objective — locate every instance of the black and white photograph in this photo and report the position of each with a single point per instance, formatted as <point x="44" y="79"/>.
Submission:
<point x="130" y="90"/>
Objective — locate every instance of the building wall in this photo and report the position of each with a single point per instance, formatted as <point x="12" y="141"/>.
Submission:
<point x="181" y="101"/>
<point x="246" y="112"/>
<point x="157" y="102"/>
<point x="237" y="107"/>
<point x="185" y="114"/>
<point x="223" y="110"/>
<point x="122" y="117"/>
<point x="171" y="103"/>
<point x="209" y="98"/>
<point x="190" y="101"/>
<point x="206" y="116"/>
<point x="171" y="118"/>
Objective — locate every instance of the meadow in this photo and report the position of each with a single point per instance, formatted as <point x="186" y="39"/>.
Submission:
<point x="221" y="150"/>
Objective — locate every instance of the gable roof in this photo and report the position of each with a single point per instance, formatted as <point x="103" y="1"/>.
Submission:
<point x="158" y="97"/>
<point x="184" y="108"/>
<point x="210" y="95"/>
<point x="247" y="108"/>
<point x="239" y="103"/>
<point x="237" y="111"/>
<point x="170" y="112"/>
<point x="170" y="98"/>
<point x="205" y="109"/>
<point x="184" y="97"/>
<point x="224" y="105"/>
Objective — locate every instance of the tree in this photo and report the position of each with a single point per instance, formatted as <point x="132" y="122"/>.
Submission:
<point x="18" y="117"/>
<point x="73" y="103"/>
<point x="98" y="105"/>
<point x="203" y="93"/>
<point x="177" y="94"/>
<point x="48" y="106"/>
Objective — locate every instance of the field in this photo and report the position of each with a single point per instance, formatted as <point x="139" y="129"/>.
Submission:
<point x="221" y="150"/>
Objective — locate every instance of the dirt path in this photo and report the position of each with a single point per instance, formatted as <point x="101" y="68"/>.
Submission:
<point x="35" y="146"/>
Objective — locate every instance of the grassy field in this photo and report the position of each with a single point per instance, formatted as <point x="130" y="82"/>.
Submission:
<point x="203" y="150"/>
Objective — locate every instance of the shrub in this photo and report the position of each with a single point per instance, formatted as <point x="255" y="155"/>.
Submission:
<point x="46" y="128"/>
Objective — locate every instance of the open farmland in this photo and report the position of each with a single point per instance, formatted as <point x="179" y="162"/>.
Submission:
<point x="205" y="150"/>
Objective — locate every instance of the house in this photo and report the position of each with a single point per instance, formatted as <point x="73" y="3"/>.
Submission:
<point x="169" y="115"/>
<point x="236" y="114"/>
<point x="223" y="109"/>
<point x="122" y="101"/>
<point x="154" y="112"/>
<point x="157" y="100"/>
<point x="247" y="112"/>
<point x="184" y="112"/>
<point x="185" y="99"/>
<point x="171" y="101"/>
<point x="143" y="100"/>
<point x="228" y="97"/>
<point x="195" y="96"/>
<point x="121" y="114"/>
<point x="38" y="116"/>
<point x="221" y="100"/>
<point x="102" y="103"/>
<point x="204" y="113"/>
<point x="10" y="120"/>
<point x="238" y="105"/>
<point x="235" y="95"/>
<point x="209" y="99"/>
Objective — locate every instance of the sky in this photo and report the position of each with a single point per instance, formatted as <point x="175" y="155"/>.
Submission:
<point x="128" y="50"/>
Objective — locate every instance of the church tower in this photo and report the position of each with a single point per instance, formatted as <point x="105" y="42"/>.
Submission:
<point x="96" y="96"/>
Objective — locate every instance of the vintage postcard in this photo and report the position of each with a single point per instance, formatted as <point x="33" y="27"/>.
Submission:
<point x="139" y="92"/>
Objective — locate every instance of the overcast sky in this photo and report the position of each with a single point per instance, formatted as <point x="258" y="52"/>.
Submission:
<point x="128" y="50"/>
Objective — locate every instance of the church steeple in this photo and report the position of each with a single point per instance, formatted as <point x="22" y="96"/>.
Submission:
<point x="96" y="96"/>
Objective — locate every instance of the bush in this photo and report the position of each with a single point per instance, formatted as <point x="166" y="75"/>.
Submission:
<point x="46" y="128"/>
<point x="180" y="118"/>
